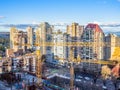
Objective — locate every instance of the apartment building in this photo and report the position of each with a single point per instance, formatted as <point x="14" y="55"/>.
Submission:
<point x="93" y="33"/>
<point x="30" y="37"/>
<point x="5" y="65"/>
<point x="17" y="39"/>
<point x="112" y="47"/>
<point x="43" y="35"/>
<point x="59" y="49"/>
<point x="75" y="31"/>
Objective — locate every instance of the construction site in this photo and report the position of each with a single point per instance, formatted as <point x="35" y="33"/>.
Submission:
<point x="88" y="62"/>
<point x="76" y="74"/>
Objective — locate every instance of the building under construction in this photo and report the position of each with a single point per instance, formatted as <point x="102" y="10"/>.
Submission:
<point x="84" y="47"/>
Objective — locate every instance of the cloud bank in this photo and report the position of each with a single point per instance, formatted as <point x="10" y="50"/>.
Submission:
<point x="2" y="17"/>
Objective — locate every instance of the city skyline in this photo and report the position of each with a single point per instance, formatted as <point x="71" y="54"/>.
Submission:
<point x="59" y="45"/>
<point x="60" y="11"/>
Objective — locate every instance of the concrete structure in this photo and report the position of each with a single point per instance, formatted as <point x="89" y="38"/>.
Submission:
<point x="24" y="63"/>
<point x="110" y="39"/>
<point x="17" y="39"/>
<point x="9" y="52"/>
<point x="93" y="33"/>
<point x="30" y="63"/>
<point x="60" y="52"/>
<point x="75" y="31"/>
<point x="43" y="35"/>
<point x="5" y="65"/>
<point x="114" y="42"/>
<point x="13" y="30"/>
<point x="30" y="37"/>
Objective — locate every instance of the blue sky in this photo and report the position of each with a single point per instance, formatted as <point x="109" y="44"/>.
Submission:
<point x="81" y="11"/>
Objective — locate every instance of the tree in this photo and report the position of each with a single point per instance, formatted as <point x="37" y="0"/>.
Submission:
<point x="2" y="48"/>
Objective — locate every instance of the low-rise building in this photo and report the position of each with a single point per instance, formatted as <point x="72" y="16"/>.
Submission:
<point x="24" y="63"/>
<point x="5" y="65"/>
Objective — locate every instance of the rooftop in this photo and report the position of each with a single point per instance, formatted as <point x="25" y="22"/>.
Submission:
<point x="96" y="27"/>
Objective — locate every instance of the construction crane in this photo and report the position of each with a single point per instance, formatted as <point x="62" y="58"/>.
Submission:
<point x="115" y="55"/>
<point x="90" y="44"/>
<point x="71" y="57"/>
<point x="71" y="60"/>
<point x="105" y="70"/>
<point x="39" y="67"/>
<point x="39" y="59"/>
<point x="103" y="62"/>
<point x="70" y="44"/>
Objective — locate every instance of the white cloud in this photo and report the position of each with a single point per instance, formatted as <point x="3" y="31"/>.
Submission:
<point x="105" y="23"/>
<point x="2" y="17"/>
<point x="96" y="22"/>
<point x="35" y="22"/>
<point x="2" y="28"/>
<point x="109" y="26"/>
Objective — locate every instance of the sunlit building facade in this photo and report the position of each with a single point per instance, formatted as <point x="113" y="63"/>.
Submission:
<point x="93" y="33"/>
<point x="75" y="31"/>
<point x="30" y="37"/>
<point x="18" y="39"/>
<point x="43" y="35"/>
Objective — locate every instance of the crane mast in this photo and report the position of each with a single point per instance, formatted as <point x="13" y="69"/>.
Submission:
<point x="39" y="62"/>
<point x="71" y="77"/>
<point x="71" y="59"/>
<point x="39" y="68"/>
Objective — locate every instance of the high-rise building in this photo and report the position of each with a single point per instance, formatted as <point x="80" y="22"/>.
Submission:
<point x="75" y="31"/>
<point x="17" y="39"/>
<point x="30" y="37"/>
<point x="93" y="33"/>
<point x="13" y="30"/>
<point x="60" y="52"/>
<point x="112" y="43"/>
<point x="43" y="35"/>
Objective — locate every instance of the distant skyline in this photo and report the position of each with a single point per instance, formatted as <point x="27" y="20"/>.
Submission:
<point x="81" y="11"/>
<point x="59" y="11"/>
